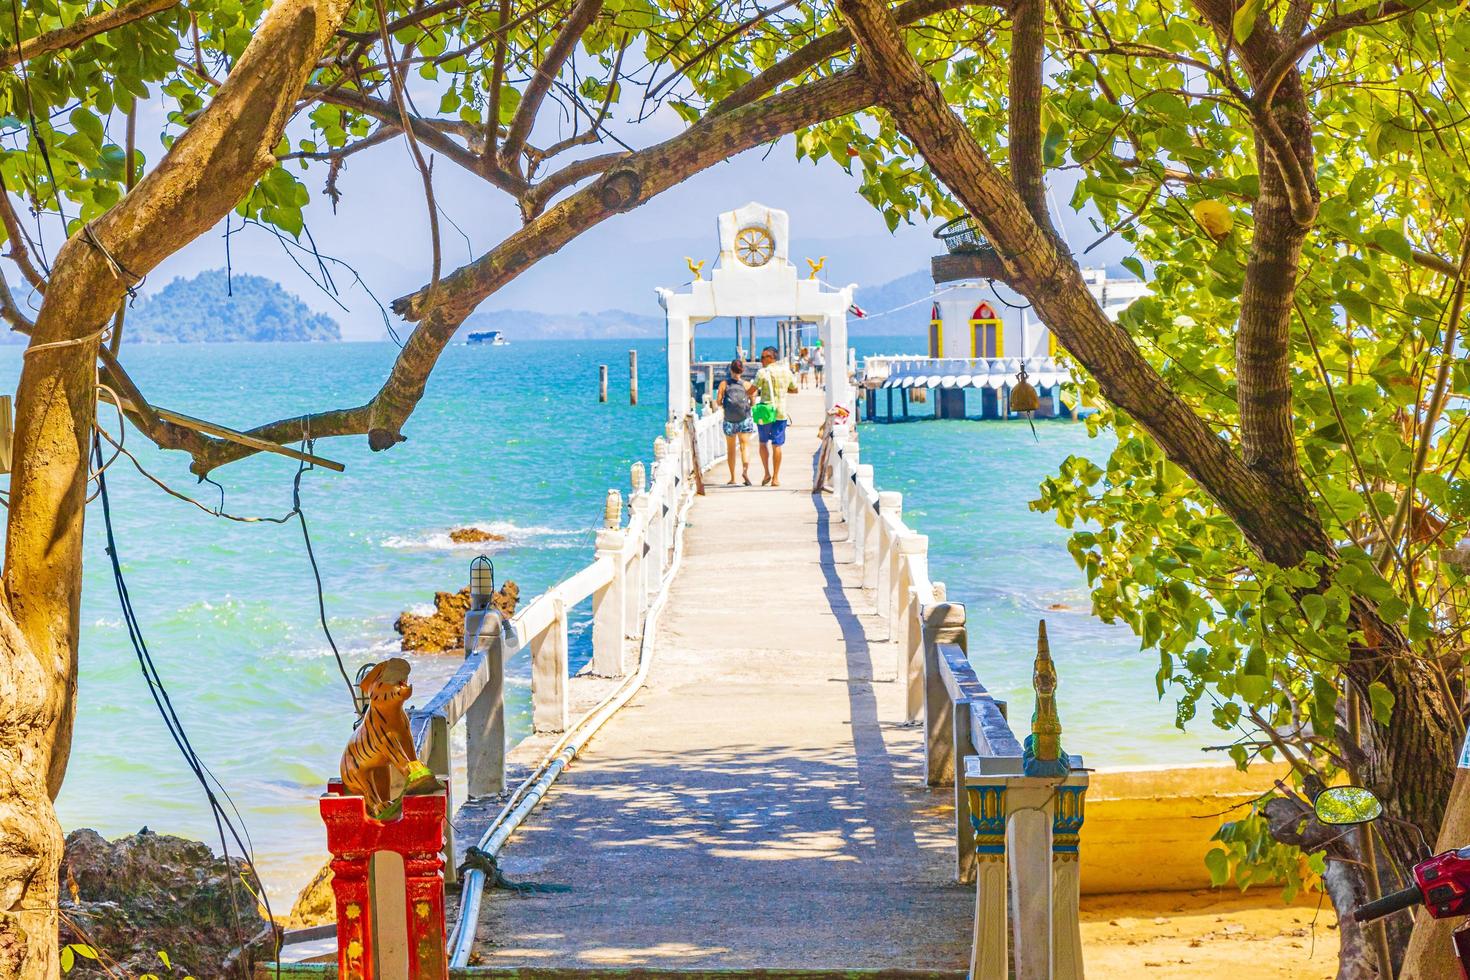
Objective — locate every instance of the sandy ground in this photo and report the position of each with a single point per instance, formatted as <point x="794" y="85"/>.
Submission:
<point x="1219" y="935"/>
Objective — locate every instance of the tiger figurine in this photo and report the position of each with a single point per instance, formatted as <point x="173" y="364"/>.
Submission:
<point x="382" y="741"/>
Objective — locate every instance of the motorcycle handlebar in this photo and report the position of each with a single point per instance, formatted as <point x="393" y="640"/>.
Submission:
<point x="1405" y="899"/>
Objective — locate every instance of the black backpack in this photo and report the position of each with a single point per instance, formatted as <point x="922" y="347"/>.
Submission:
<point x="737" y="401"/>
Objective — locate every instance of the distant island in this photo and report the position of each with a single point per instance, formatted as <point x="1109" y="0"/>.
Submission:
<point x="213" y="308"/>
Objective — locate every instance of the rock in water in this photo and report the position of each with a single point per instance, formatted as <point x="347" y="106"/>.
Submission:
<point x="134" y="896"/>
<point x="473" y="535"/>
<point x="441" y="630"/>
<point x="444" y="628"/>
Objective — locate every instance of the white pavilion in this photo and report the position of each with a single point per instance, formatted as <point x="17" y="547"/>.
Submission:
<point x="754" y="277"/>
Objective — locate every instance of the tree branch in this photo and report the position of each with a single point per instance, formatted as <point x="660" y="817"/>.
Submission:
<point x="1026" y="90"/>
<point x="584" y="12"/>
<point x="634" y="180"/>
<point x="831" y="44"/>
<point x="83" y="30"/>
<point x="16" y="236"/>
<point x="1035" y="266"/>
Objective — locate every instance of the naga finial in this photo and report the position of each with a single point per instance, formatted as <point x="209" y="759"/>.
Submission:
<point x="1043" y="755"/>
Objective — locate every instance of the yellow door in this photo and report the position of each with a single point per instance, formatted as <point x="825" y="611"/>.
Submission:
<point x="936" y="338"/>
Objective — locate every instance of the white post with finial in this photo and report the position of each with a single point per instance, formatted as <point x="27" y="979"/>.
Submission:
<point x="913" y="551"/>
<point x="632" y="560"/>
<point x="485" y="715"/>
<point x="890" y="504"/>
<point x="608" y="605"/>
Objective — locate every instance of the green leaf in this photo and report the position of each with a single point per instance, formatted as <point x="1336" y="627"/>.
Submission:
<point x="1315" y="607"/>
<point x="1244" y="23"/>
<point x="1394" y="243"/>
<point x="1382" y="700"/>
<point x="1218" y="863"/>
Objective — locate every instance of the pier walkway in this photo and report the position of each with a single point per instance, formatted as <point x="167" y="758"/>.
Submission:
<point x="758" y="803"/>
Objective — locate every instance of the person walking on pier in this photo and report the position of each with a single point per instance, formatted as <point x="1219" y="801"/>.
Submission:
<point x="734" y="397"/>
<point x="818" y="360"/>
<point x="772" y="382"/>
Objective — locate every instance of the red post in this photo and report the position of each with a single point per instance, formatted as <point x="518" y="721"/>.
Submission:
<point x="417" y="835"/>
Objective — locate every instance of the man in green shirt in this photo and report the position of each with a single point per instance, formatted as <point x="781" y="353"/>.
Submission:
<point x="771" y="384"/>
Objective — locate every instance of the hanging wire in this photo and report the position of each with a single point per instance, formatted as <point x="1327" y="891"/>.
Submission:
<point x="224" y="826"/>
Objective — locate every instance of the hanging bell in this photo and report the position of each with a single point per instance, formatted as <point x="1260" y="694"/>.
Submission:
<point x="1023" y="395"/>
<point x="1025" y="400"/>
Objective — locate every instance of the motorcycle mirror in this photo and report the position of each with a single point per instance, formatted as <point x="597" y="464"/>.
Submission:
<point x="1347" y="805"/>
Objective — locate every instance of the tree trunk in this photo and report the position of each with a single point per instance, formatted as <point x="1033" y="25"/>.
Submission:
<point x="1408" y="762"/>
<point x="206" y="172"/>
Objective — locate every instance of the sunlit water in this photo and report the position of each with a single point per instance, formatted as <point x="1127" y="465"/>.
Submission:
<point x="510" y="439"/>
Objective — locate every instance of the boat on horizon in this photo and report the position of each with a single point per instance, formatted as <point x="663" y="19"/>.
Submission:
<point x="492" y="337"/>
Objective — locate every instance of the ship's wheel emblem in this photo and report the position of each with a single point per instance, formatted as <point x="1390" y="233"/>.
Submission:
<point x="754" y="245"/>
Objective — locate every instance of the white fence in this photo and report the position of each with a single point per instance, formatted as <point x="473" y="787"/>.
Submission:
<point x="621" y="581"/>
<point x="1016" y="835"/>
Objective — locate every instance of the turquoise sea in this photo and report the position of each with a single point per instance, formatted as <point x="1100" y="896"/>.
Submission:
<point x="511" y="439"/>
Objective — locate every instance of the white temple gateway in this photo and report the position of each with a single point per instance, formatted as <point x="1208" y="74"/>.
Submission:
<point x="754" y="277"/>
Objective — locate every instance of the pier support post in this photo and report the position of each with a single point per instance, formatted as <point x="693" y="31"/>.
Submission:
<point x="485" y="715"/>
<point x="608" y="607"/>
<point x="550" y="703"/>
<point x="632" y="377"/>
<point x="602" y="382"/>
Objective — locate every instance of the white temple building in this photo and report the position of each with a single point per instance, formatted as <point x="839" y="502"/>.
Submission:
<point x="754" y="277"/>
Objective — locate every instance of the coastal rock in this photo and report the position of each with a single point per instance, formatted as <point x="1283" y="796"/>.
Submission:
<point x="443" y="629"/>
<point x="315" y="905"/>
<point x="473" y="535"/>
<point x="134" y="896"/>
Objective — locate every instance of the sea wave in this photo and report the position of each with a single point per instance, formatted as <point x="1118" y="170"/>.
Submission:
<point x="511" y="535"/>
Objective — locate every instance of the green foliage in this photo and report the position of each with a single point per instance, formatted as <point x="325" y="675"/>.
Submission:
<point x="1247" y="855"/>
<point x="212" y="309"/>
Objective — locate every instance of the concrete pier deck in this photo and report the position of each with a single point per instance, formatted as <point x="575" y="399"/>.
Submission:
<point x="757" y="805"/>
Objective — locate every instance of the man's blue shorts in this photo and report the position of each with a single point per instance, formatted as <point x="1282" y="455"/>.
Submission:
<point x="773" y="432"/>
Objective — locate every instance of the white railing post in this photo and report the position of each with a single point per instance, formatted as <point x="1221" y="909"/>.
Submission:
<point x="608" y="605"/>
<point x="990" y="949"/>
<point x="872" y="539"/>
<point x="912" y="551"/>
<point x="1066" y="912"/>
<point x="944" y="622"/>
<point x="438" y="763"/>
<point x="850" y="498"/>
<point x="890" y="505"/>
<point x="858" y="531"/>
<point x="634" y="595"/>
<point x="550" y="701"/>
<point x="484" y="718"/>
<point x="1028" y="847"/>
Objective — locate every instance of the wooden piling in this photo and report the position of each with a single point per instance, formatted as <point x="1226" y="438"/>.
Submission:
<point x="602" y="382"/>
<point x="632" y="377"/>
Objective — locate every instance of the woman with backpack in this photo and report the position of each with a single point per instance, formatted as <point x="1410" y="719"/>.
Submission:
<point x="734" y="397"/>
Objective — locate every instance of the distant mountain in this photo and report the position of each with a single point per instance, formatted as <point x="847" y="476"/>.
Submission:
<point x="528" y="325"/>
<point x="213" y="307"/>
<point x="620" y="324"/>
